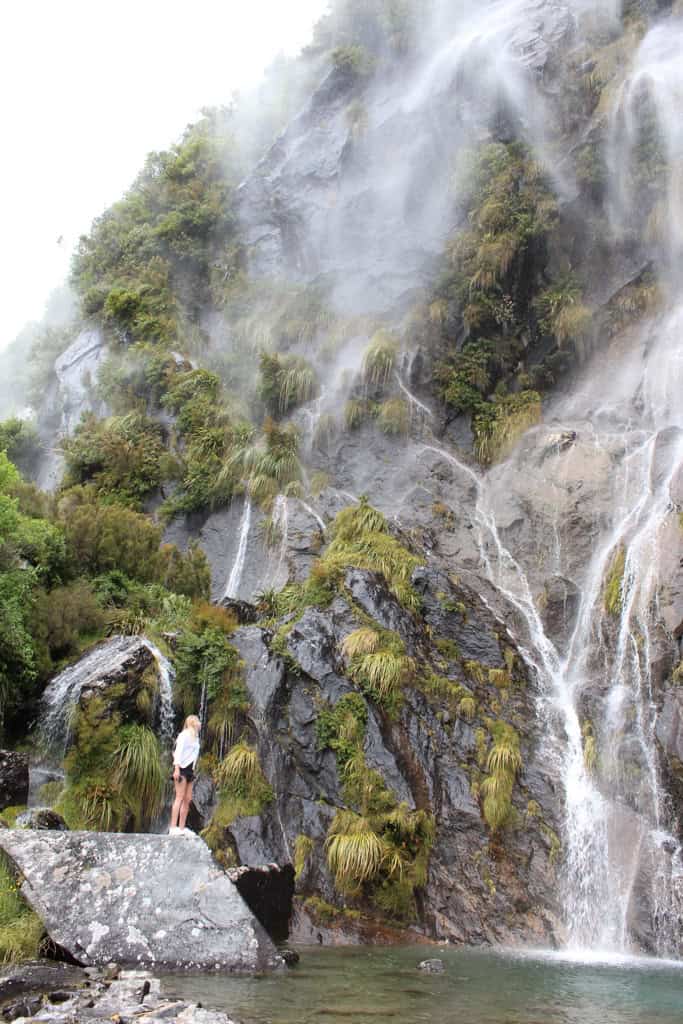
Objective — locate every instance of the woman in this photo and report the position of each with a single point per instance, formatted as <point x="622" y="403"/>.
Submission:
<point x="184" y="759"/>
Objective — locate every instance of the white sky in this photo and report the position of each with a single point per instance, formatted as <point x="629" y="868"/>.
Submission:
<point x="87" y="89"/>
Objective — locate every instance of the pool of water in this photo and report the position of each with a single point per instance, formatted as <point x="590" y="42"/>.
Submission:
<point x="366" y="985"/>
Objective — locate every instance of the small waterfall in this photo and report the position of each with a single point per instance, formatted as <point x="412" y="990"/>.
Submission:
<point x="314" y="515"/>
<point x="646" y="125"/>
<point x="165" y="712"/>
<point x="419" y="412"/>
<point x="63" y="692"/>
<point x="280" y="524"/>
<point x="234" y="579"/>
<point x="203" y="705"/>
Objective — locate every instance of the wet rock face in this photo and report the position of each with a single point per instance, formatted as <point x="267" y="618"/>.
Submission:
<point x="369" y="211"/>
<point x="120" y="660"/>
<point x="70" y="394"/>
<point x="559" y="607"/>
<point x="13" y="779"/>
<point x="138" y="899"/>
<point x="426" y="756"/>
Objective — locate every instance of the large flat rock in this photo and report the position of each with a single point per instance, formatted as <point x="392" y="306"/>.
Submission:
<point x="138" y="899"/>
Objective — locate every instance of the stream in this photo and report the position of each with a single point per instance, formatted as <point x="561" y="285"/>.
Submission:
<point x="368" y="985"/>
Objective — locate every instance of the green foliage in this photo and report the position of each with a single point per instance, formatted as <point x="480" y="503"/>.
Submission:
<point x="205" y="660"/>
<point x="356" y="411"/>
<point x="448" y="648"/>
<point x="354" y="851"/>
<point x="503" y="762"/>
<point x="243" y="788"/>
<point x="20" y="928"/>
<point x="476" y="671"/>
<point x="394" y="417"/>
<point x="342" y="727"/>
<point x="383" y="847"/>
<point x="511" y="211"/>
<point x="500" y="424"/>
<point x="382" y="673"/>
<point x="68" y="614"/>
<point x="145" y="269"/>
<point x="286" y="382"/>
<point x="303" y="848"/>
<point x="590" y="748"/>
<point x="122" y="457"/>
<point x="614" y="581"/>
<point x="379" y="360"/>
<point x="467" y="708"/>
<point x="91" y="798"/>
<point x="19" y="440"/>
<point x="360" y="537"/>
<point x="269" y="465"/>
<point x="138" y="773"/>
<point x="561" y="311"/>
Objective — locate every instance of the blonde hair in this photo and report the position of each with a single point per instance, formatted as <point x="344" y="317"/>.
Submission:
<point x="192" y="722"/>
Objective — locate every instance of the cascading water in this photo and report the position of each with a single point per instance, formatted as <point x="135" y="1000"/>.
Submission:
<point x="280" y="526"/>
<point x="63" y="692"/>
<point x="234" y="579"/>
<point x="165" y="713"/>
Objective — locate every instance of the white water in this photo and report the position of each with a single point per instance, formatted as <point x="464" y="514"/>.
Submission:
<point x="234" y="579"/>
<point x="63" y="692"/>
<point x="613" y="825"/>
<point x="165" y="713"/>
<point x="417" y="408"/>
<point x="280" y="523"/>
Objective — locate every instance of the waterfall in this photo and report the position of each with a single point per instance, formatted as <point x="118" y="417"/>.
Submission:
<point x="107" y="660"/>
<point x="165" y="713"/>
<point x="234" y="579"/>
<point x="418" y="409"/>
<point x="314" y="515"/>
<point x="280" y="524"/>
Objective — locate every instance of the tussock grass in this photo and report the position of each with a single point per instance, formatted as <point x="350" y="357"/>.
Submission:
<point x="139" y="774"/>
<point x="354" y="851"/>
<point x="379" y="360"/>
<point x="361" y="641"/>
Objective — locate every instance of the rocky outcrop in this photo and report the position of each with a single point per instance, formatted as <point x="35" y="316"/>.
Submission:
<point x="62" y="995"/>
<point x="14" y="780"/>
<point x="116" y="663"/>
<point x="71" y="392"/>
<point x="477" y="891"/>
<point x="138" y="899"/>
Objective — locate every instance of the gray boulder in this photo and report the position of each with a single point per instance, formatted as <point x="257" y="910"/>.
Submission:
<point x="13" y="779"/>
<point x="138" y="899"/>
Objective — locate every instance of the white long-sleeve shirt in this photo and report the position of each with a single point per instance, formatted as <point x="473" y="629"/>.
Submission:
<point x="186" y="748"/>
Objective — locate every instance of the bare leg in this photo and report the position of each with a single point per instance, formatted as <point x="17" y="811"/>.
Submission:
<point x="180" y="787"/>
<point x="185" y="805"/>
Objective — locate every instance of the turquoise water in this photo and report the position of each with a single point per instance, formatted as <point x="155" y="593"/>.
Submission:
<point x="368" y="985"/>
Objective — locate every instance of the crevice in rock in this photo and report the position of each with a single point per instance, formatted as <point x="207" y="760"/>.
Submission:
<point x="268" y="892"/>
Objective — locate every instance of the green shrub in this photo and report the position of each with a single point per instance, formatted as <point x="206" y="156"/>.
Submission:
<point x="360" y="538"/>
<point x="394" y="417"/>
<point x="138" y="772"/>
<point x="503" y="762"/>
<point x="379" y="360"/>
<point x="123" y="457"/>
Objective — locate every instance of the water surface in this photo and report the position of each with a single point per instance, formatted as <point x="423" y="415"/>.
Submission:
<point x="368" y="985"/>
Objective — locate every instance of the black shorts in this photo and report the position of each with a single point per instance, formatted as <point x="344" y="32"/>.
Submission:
<point x="187" y="773"/>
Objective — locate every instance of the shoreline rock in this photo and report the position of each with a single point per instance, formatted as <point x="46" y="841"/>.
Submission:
<point x="138" y="900"/>
<point x="50" y="992"/>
